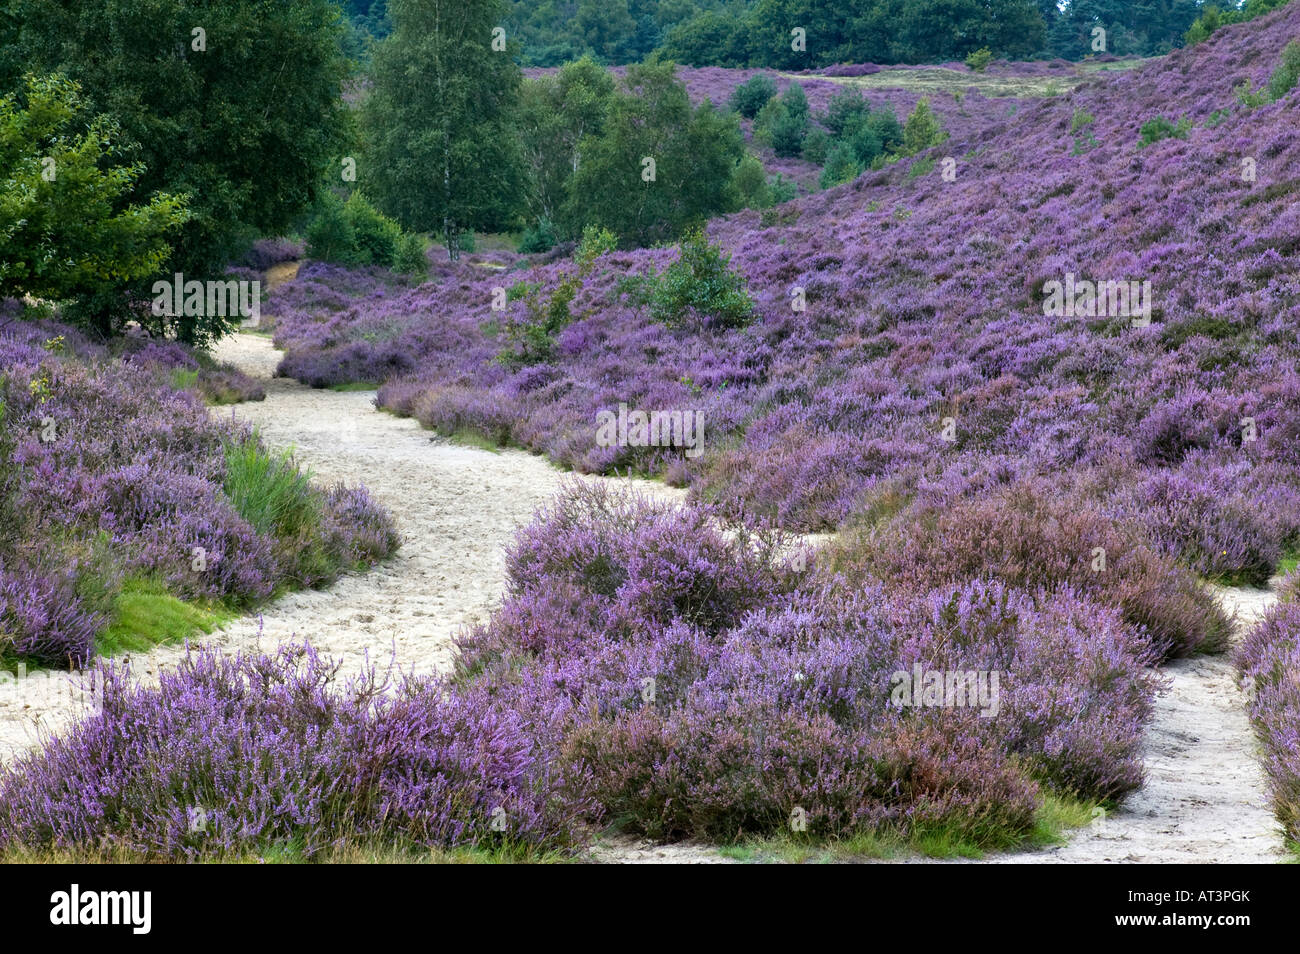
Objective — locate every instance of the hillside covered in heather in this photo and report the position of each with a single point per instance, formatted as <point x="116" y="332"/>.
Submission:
<point x="924" y="301"/>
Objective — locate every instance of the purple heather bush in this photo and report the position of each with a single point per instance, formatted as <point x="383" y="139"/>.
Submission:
<point x="1269" y="660"/>
<point x="715" y="687"/>
<point x="231" y="756"/>
<point x="1031" y="535"/>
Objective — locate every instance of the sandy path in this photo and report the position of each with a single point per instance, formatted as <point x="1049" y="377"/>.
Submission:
<point x="1204" y="798"/>
<point x="457" y="508"/>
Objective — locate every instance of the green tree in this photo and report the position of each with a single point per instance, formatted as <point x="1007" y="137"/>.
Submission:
<point x="922" y="129"/>
<point x="555" y="114"/>
<point x="442" y="153"/>
<point x="753" y="94"/>
<point x="233" y="102"/>
<point x="660" y="165"/>
<point x="67" y="230"/>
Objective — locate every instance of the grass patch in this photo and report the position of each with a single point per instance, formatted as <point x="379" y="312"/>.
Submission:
<point x="182" y="379"/>
<point x="1289" y="562"/>
<point x="270" y="491"/>
<point x="146" y="615"/>
<point x="349" y="386"/>
<point x="1056" y="815"/>
<point x="468" y="437"/>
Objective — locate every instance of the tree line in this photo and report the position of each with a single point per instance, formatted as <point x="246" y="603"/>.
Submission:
<point x="756" y="33"/>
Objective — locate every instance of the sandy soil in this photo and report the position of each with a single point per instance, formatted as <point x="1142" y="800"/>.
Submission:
<point x="1204" y="799"/>
<point x="457" y="508"/>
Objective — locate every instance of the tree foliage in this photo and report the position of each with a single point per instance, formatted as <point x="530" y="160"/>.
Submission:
<point x="442" y="155"/>
<point x="67" y="227"/>
<point x="233" y="102"/>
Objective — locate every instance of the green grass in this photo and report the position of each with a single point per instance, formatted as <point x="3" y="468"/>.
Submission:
<point x="146" y="615"/>
<point x="349" y="386"/>
<point x="184" y="380"/>
<point x="469" y="437"/>
<point x="1290" y="560"/>
<point x="270" y="491"/>
<point x="1055" y="816"/>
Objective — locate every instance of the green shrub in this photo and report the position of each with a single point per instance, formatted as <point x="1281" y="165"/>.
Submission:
<point x="787" y="134"/>
<point x="752" y="95"/>
<point x="980" y="59"/>
<point x="701" y="284"/>
<point x="595" y="242"/>
<point x="376" y="234"/>
<point x="411" y="257"/>
<point x="1081" y="119"/>
<point x="1287" y="74"/>
<point x="330" y="237"/>
<point x="922" y="129"/>
<point x="1154" y="130"/>
<point x="539" y="237"/>
<point x="864" y="142"/>
<point x="845" y="107"/>
<point x="352" y="233"/>
<point x="816" y="145"/>
<point x="841" y="166"/>
<point x="782" y="189"/>
<point x="1211" y="19"/>
<point x="750" y="180"/>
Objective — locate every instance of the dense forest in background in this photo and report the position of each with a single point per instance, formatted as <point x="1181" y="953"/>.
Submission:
<point x="756" y="33"/>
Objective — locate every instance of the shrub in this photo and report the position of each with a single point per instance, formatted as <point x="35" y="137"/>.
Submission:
<point x="700" y="285"/>
<point x="1031" y="537"/>
<point x="1269" y="659"/>
<point x="375" y="234"/>
<point x="980" y="59"/>
<point x="922" y="129"/>
<point x="595" y="242"/>
<point x="411" y="256"/>
<point x="1154" y="130"/>
<point x="538" y="237"/>
<point x="752" y="95"/>
<point x="846" y="107"/>
<point x="330" y="236"/>
<point x="306" y="764"/>
<point x="750" y="181"/>
<point x="816" y="145"/>
<point x="1287" y="74"/>
<point x="841" y="166"/>
<point x="782" y="189"/>
<point x="787" y="134"/>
